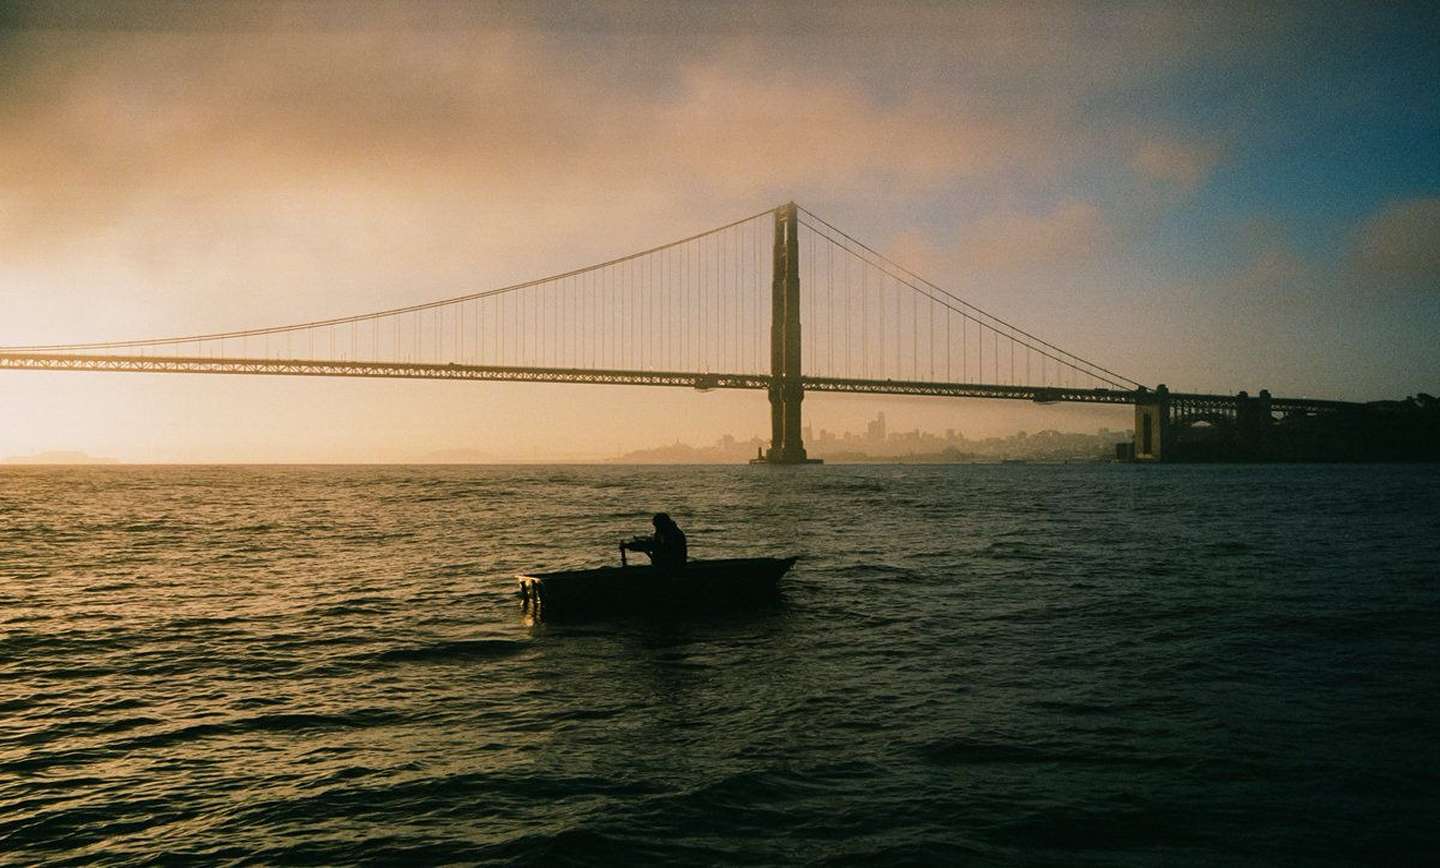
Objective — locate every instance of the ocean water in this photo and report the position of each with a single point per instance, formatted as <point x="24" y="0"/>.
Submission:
<point x="1070" y="665"/>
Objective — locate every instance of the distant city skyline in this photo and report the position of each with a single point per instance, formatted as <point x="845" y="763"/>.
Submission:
<point x="876" y="443"/>
<point x="876" y="433"/>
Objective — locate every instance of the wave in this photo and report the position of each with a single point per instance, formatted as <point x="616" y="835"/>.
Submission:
<point x="967" y="751"/>
<point x="278" y="722"/>
<point x="465" y="649"/>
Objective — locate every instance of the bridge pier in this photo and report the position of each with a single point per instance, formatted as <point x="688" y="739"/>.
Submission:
<point x="786" y="390"/>
<point x="1236" y="428"/>
<point x="1252" y="423"/>
<point x="1152" y="425"/>
<point x="786" y="443"/>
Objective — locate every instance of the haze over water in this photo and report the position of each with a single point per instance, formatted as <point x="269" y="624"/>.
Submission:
<point x="1107" y="664"/>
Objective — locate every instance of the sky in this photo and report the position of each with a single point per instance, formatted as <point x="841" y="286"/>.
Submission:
<point x="1212" y="196"/>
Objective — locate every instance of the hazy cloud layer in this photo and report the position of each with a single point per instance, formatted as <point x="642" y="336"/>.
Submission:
<point x="103" y="125"/>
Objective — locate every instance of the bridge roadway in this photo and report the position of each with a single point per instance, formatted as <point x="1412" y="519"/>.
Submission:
<point x="703" y="381"/>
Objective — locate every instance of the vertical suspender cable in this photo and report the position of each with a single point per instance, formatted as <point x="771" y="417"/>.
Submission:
<point x="849" y="371"/>
<point x="864" y="321"/>
<point x="832" y="313"/>
<point x="879" y="366"/>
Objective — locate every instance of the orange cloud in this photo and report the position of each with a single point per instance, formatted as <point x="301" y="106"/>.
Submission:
<point x="1070" y="232"/>
<point x="1170" y="161"/>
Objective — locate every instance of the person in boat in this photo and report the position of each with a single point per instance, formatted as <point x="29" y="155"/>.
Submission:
<point x="667" y="548"/>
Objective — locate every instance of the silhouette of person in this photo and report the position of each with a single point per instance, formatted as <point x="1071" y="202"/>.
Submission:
<point x="667" y="549"/>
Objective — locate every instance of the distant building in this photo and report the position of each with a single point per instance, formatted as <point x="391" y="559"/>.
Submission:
<point x="875" y="431"/>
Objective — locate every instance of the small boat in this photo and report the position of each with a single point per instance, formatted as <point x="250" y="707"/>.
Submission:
<point x="704" y="584"/>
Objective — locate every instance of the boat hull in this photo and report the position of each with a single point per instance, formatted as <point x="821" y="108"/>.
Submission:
<point x="703" y="585"/>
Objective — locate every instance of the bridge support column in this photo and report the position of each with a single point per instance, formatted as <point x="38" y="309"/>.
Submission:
<point x="1252" y="422"/>
<point x="786" y="390"/>
<point x="1152" y="425"/>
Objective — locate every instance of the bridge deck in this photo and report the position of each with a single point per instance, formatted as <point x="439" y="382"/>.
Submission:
<point x="694" y="380"/>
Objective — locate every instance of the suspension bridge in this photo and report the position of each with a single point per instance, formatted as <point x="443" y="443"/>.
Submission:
<point x="781" y="301"/>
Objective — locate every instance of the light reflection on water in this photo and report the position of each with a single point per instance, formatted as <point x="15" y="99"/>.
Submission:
<point x="1069" y="663"/>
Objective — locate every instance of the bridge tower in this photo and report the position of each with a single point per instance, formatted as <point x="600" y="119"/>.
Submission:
<point x="786" y="388"/>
